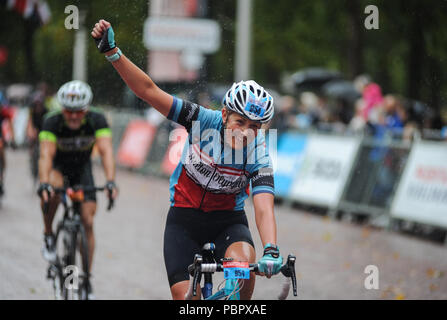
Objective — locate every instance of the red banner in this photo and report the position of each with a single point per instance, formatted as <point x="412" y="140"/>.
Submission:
<point x="174" y="152"/>
<point x="136" y="143"/>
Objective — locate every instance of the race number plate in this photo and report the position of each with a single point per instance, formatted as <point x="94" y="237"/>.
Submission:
<point x="236" y="270"/>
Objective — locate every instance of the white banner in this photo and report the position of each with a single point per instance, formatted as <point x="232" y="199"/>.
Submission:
<point x="324" y="170"/>
<point x="20" y="122"/>
<point x="193" y="34"/>
<point x="422" y="192"/>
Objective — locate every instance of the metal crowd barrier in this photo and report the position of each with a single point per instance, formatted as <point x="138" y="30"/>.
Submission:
<point x="373" y="180"/>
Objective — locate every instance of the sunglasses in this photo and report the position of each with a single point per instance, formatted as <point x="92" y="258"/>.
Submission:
<point x="74" y="112"/>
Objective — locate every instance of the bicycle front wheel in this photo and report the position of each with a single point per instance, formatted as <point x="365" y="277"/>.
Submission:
<point x="58" y="272"/>
<point x="81" y="261"/>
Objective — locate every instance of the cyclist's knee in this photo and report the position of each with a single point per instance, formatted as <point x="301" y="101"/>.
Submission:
<point x="179" y="290"/>
<point x="56" y="179"/>
<point x="241" y="251"/>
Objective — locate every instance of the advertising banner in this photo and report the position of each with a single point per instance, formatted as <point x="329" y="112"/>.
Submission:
<point x="136" y="143"/>
<point x="324" y="169"/>
<point x="290" y="153"/>
<point x="174" y="153"/>
<point x="20" y="122"/>
<point x="422" y="192"/>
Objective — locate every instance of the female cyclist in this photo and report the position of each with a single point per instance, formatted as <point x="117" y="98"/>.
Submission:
<point x="222" y="155"/>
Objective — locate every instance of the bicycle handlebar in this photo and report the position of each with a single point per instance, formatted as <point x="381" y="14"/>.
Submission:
<point x="85" y="189"/>
<point x="198" y="267"/>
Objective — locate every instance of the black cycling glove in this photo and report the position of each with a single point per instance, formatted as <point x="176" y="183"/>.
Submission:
<point x="44" y="187"/>
<point x="107" y="41"/>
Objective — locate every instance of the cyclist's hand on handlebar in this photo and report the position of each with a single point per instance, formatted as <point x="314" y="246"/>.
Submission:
<point x="45" y="191"/>
<point x="104" y="36"/>
<point x="112" y="192"/>
<point x="271" y="263"/>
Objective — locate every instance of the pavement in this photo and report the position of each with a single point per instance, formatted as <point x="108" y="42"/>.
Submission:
<point x="334" y="258"/>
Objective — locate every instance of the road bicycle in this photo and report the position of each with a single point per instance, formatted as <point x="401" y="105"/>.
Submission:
<point x="69" y="272"/>
<point x="205" y="264"/>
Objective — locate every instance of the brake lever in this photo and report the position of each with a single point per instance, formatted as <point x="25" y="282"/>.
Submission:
<point x="288" y="270"/>
<point x="198" y="259"/>
<point x="111" y="201"/>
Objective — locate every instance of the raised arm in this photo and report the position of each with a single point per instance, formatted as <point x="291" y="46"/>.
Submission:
<point x="138" y="81"/>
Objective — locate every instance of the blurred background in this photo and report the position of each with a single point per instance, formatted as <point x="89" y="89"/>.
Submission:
<point x="361" y="112"/>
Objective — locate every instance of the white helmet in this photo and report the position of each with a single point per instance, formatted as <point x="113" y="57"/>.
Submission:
<point x="250" y="100"/>
<point x="75" y="95"/>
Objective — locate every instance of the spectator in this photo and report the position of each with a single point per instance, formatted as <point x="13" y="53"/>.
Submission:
<point x="284" y="117"/>
<point x="444" y="133"/>
<point x="357" y="123"/>
<point x="371" y="93"/>
<point x="395" y="115"/>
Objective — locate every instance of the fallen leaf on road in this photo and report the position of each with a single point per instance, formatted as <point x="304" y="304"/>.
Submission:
<point x="327" y="237"/>
<point x="433" y="287"/>
<point x="434" y="274"/>
<point x="386" y="292"/>
<point x="365" y="233"/>
<point x="400" y="297"/>
<point x="396" y="255"/>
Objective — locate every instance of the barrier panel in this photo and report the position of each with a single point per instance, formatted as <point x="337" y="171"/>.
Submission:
<point x="136" y="142"/>
<point x="160" y="145"/>
<point x="290" y="154"/>
<point x="324" y="169"/>
<point x="20" y="122"/>
<point x="174" y="152"/>
<point x="118" y="121"/>
<point x="422" y="193"/>
<point x="374" y="178"/>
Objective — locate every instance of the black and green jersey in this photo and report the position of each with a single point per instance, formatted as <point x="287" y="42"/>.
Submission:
<point x="74" y="146"/>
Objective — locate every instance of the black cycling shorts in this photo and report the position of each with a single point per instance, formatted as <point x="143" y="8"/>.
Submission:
<point x="78" y="175"/>
<point x="187" y="230"/>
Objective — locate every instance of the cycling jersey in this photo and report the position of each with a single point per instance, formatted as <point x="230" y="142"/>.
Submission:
<point x="210" y="176"/>
<point x="74" y="147"/>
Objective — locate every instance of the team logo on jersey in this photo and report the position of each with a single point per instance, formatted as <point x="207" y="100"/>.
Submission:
<point x="201" y="168"/>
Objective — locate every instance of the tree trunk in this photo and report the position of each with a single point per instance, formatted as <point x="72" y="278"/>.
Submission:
<point x="417" y="54"/>
<point x="355" y="38"/>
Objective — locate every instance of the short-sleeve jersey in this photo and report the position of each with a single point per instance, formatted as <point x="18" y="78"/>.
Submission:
<point x="74" y="147"/>
<point x="212" y="176"/>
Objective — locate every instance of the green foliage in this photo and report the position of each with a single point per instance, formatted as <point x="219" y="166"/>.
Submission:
<point x="287" y="35"/>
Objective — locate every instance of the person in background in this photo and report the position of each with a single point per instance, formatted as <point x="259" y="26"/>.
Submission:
<point x="371" y="94"/>
<point x="284" y="118"/>
<point x="395" y="114"/>
<point x="41" y="103"/>
<point x="6" y="114"/>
